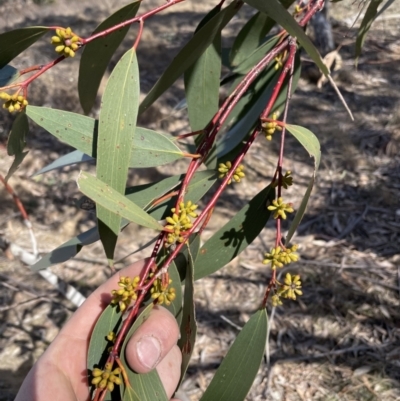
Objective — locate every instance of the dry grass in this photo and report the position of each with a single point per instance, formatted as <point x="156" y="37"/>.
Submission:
<point x="341" y="341"/>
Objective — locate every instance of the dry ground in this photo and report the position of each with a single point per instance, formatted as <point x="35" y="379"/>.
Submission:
<point x="341" y="341"/>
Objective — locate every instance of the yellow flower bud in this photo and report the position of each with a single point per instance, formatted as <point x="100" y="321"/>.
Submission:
<point x="96" y="380"/>
<point x="4" y="96"/>
<point x="103" y="383"/>
<point x="96" y="372"/>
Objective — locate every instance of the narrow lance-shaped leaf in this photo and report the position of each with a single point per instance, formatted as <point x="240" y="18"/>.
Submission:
<point x="202" y="81"/>
<point x="144" y="387"/>
<point x="117" y="122"/>
<point x="114" y="202"/>
<point x="16" y="142"/>
<point x="365" y="26"/>
<point x="311" y="144"/>
<point x="190" y="53"/>
<point x="15" y="42"/>
<point x="239" y="368"/>
<point x="74" y="157"/>
<point x="188" y="323"/>
<point x="149" y="148"/>
<point x="278" y="13"/>
<point x="96" y="55"/>
<point x="109" y="320"/>
<point x="249" y="38"/>
<point x="234" y="236"/>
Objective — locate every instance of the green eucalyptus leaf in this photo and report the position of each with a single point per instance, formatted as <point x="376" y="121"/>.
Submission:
<point x="15" y="42"/>
<point x="67" y="250"/>
<point x="365" y="26"/>
<point x="109" y="320"/>
<point x="249" y="38"/>
<point x="74" y="157"/>
<point x="71" y="128"/>
<point x="96" y="55"/>
<point x="188" y="325"/>
<point x="8" y="75"/>
<point x="115" y="202"/>
<point x="117" y="122"/>
<point x="190" y="53"/>
<point x="234" y="236"/>
<point x="311" y="144"/>
<point x="236" y="374"/>
<point x="279" y="14"/>
<point x="202" y="81"/>
<point x="144" y="387"/>
<point x="16" y="142"/>
<point x="149" y="148"/>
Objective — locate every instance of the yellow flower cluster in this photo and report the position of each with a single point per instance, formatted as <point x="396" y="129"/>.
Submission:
<point x="106" y="378"/>
<point x="273" y="257"/>
<point x="124" y="296"/>
<point x="290" y="289"/>
<point x="224" y="169"/>
<point x="13" y="102"/>
<point x="292" y="286"/>
<point x="180" y="222"/>
<point x="66" y="42"/>
<point x="280" y="208"/>
<point x="278" y="257"/>
<point x="269" y="127"/>
<point x="162" y="293"/>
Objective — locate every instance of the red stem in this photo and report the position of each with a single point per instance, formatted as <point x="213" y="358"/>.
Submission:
<point x="131" y="21"/>
<point x="17" y="201"/>
<point x="139" y="36"/>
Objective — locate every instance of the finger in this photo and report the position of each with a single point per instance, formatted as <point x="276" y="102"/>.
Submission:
<point x="169" y="370"/>
<point x="86" y="316"/>
<point x="152" y="341"/>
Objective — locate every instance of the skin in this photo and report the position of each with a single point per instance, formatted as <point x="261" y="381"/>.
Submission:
<point x="61" y="374"/>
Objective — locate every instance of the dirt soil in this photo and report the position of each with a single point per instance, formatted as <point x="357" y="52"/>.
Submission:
<point x="341" y="340"/>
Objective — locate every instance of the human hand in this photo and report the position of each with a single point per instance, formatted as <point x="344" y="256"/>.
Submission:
<point x="61" y="373"/>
